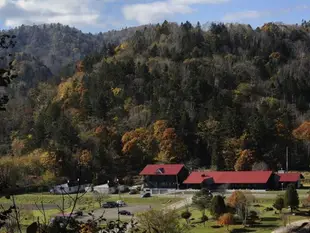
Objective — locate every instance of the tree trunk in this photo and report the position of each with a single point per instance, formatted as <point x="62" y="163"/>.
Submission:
<point x="214" y="158"/>
<point x="245" y="216"/>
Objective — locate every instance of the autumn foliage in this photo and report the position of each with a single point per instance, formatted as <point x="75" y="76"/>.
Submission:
<point x="49" y="160"/>
<point x="85" y="158"/>
<point x="159" y="142"/>
<point x="226" y="220"/>
<point x="140" y="138"/>
<point x="303" y="131"/>
<point x="245" y="161"/>
<point x="236" y="198"/>
<point x="171" y="148"/>
<point x="159" y="128"/>
<point x="231" y="150"/>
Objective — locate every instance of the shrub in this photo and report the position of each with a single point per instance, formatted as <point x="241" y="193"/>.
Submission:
<point x="279" y="203"/>
<point x="186" y="215"/>
<point x="218" y="206"/>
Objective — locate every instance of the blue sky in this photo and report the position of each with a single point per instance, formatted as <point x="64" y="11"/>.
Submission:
<point x="103" y="15"/>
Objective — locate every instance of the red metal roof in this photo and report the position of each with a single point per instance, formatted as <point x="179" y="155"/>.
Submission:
<point x="162" y="169"/>
<point x="196" y="178"/>
<point x="230" y="177"/>
<point x="289" y="177"/>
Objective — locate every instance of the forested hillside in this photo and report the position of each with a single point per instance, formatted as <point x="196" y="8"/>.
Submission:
<point x="226" y="98"/>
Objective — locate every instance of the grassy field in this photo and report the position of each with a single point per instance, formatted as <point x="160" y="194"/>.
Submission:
<point x="53" y="203"/>
<point x="269" y="221"/>
<point x="86" y="200"/>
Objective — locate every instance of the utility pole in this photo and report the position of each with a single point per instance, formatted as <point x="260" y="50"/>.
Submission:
<point x="286" y="159"/>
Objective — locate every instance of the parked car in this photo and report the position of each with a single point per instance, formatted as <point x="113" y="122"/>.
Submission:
<point x="121" y="203"/>
<point x="110" y="204"/>
<point x="124" y="212"/>
<point x="144" y="195"/>
<point x="78" y="213"/>
<point x="133" y="191"/>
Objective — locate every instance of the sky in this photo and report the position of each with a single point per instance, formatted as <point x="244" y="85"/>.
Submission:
<point x="103" y="15"/>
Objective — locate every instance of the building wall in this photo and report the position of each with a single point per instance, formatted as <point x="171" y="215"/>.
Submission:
<point x="285" y="184"/>
<point x="240" y="186"/>
<point x="160" y="181"/>
<point x="163" y="181"/>
<point x="184" y="173"/>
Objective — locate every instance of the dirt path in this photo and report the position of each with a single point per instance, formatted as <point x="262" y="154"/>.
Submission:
<point x="180" y="204"/>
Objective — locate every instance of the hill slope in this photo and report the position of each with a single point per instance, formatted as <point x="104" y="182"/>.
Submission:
<point x="228" y="98"/>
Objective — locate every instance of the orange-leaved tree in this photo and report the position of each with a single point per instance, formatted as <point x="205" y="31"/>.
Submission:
<point x="245" y="161"/>
<point x="139" y="145"/>
<point x="226" y="220"/>
<point x="241" y="202"/>
<point x="303" y="131"/>
<point x="236" y="198"/>
<point x="171" y="147"/>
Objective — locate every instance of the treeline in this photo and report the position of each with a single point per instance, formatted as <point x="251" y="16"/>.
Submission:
<point x="227" y="98"/>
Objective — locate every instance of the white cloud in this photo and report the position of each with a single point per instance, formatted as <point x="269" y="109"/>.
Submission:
<point x="252" y="14"/>
<point x="191" y="2"/>
<point x="77" y="13"/>
<point x="73" y="20"/>
<point x="153" y="12"/>
<point x="157" y="11"/>
<point x="2" y="3"/>
<point x="243" y="15"/>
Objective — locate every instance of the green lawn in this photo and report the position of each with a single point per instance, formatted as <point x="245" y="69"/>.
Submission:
<point x="269" y="221"/>
<point x="30" y="213"/>
<point x="86" y="200"/>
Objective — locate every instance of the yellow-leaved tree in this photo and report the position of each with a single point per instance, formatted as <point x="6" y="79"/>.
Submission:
<point x="49" y="161"/>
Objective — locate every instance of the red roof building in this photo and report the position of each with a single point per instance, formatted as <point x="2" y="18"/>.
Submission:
<point x="289" y="177"/>
<point x="164" y="176"/>
<point x="162" y="169"/>
<point x="230" y="177"/>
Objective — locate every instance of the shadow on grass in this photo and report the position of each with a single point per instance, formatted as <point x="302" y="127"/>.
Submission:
<point x="216" y="226"/>
<point x="264" y="226"/>
<point x="303" y="213"/>
<point x="269" y="219"/>
<point x="242" y="230"/>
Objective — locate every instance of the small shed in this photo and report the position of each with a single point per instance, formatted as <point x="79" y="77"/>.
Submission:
<point x="290" y="178"/>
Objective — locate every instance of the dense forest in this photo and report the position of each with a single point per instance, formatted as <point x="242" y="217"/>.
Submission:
<point x="227" y="97"/>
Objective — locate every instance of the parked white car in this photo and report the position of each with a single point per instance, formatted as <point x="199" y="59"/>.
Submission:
<point x="121" y="203"/>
